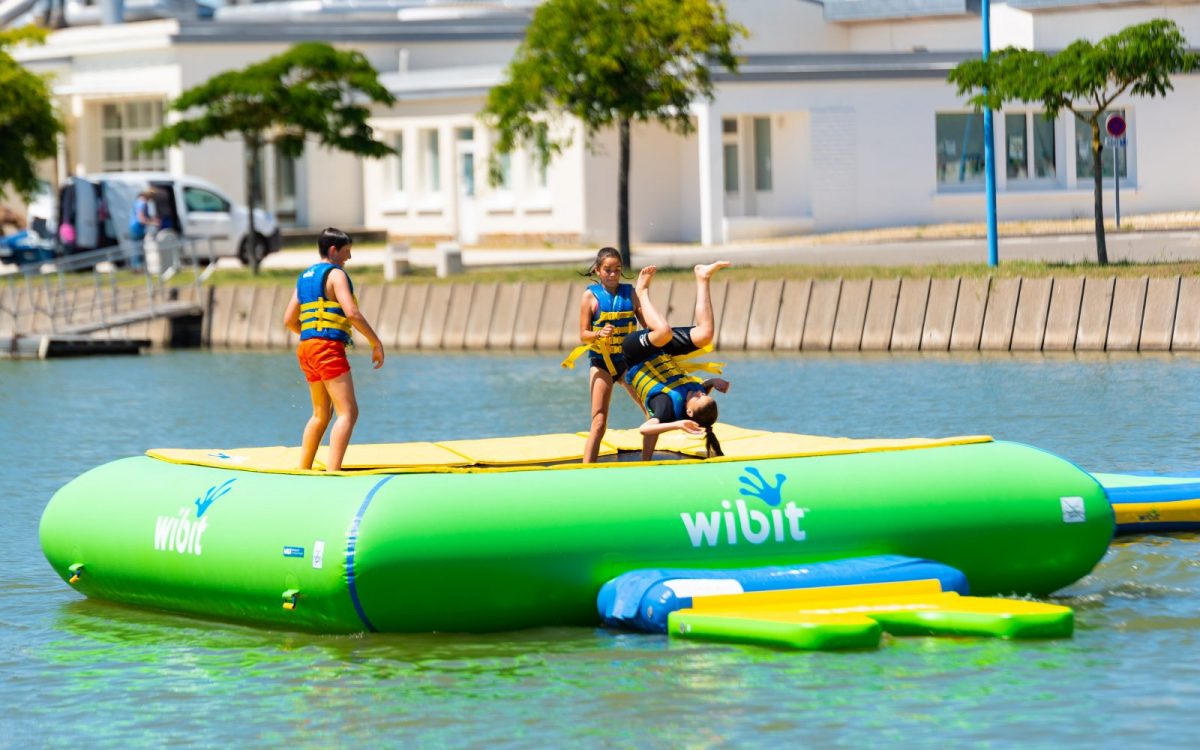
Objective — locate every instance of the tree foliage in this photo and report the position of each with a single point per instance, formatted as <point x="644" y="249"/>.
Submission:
<point x="29" y="126"/>
<point x="605" y="63"/>
<point x="309" y="91"/>
<point x="1086" y="78"/>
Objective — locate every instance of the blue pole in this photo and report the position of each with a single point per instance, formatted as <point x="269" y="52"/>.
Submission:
<point x="989" y="148"/>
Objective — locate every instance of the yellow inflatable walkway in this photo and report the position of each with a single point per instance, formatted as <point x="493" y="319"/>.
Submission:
<point x="856" y="616"/>
<point x="563" y="450"/>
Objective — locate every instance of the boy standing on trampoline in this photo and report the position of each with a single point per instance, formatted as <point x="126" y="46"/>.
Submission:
<point x="674" y="399"/>
<point x="322" y="311"/>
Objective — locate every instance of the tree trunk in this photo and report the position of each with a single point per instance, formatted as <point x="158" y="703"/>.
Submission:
<point x="1098" y="181"/>
<point x="255" y="146"/>
<point x="623" y="196"/>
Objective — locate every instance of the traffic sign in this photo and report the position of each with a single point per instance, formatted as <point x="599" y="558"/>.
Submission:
<point x="1115" y="125"/>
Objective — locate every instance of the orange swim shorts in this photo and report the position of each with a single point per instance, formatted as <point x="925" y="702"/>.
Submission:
<point x="322" y="359"/>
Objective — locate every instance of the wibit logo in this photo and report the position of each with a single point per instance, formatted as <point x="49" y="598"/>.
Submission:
<point x="211" y="496"/>
<point x="756" y="486"/>
<point x="750" y="524"/>
<point x="230" y="457"/>
<point x="181" y="534"/>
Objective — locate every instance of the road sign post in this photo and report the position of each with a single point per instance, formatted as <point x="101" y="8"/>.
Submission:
<point x="1115" y="126"/>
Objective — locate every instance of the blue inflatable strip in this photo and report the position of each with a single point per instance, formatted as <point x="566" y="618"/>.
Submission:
<point x="351" y="548"/>
<point x="1153" y="493"/>
<point x="642" y="599"/>
<point x="1165" y="475"/>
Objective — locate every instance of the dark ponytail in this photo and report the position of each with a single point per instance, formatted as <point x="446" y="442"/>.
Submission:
<point x="706" y="417"/>
<point x="711" y="444"/>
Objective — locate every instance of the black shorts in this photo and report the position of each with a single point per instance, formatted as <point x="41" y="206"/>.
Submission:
<point x="636" y="347"/>
<point x="618" y="360"/>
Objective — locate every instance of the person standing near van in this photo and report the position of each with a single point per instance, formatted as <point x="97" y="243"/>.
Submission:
<point x="140" y="222"/>
<point x="322" y="311"/>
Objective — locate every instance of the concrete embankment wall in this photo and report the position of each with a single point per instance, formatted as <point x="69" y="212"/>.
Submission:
<point x="911" y="314"/>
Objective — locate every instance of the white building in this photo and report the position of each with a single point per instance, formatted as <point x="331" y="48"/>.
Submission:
<point x="841" y="117"/>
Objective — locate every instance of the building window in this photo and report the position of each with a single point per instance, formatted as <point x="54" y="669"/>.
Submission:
<point x="729" y="153"/>
<point x="285" y="185"/>
<point x="123" y="126"/>
<point x="731" y="167"/>
<point x="396" y="163"/>
<point x="504" y="166"/>
<point x="1029" y="146"/>
<point x="959" y="149"/>
<point x="1083" y="148"/>
<point x="467" y="175"/>
<point x="431" y="162"/>
<point x="762" y="154"/>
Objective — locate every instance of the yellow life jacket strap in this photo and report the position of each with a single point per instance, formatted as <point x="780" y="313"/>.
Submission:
<point x="578" y="352"/>
<point x="714" y="367"/>
<point x="575" y="354"/>
<point x="318" y="314"/>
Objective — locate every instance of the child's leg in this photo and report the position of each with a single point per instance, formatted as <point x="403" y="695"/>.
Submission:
<point x="702" y="332"/>
<point x="600" y="385"/>
<point x="315" y="428"/>
<point x="649" y="442"/>
<point x="341" y="390"/>
<point x="660" y="329"/>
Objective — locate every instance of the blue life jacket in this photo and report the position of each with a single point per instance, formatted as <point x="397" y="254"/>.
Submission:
<point x="321" y="318"/>
<point x="611" y="309"/>
<point x="662" y="374"/>
<point x="615" y="310"/>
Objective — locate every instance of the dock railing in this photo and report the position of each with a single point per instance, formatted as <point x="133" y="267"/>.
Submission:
<point x="88" y="292"/>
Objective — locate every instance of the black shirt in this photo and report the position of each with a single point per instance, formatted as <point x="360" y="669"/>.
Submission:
<point x="662" y="408"/>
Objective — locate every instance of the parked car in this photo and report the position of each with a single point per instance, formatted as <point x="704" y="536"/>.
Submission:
<point x="95" y="213"/>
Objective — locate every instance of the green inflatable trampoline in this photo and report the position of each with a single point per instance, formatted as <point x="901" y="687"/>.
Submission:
<point x="486" y="535"/>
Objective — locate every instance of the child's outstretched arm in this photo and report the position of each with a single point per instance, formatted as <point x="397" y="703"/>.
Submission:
<point x="345" y="299"/>
<point x="653" y="427"/>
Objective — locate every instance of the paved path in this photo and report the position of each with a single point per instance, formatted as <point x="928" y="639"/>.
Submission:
<point x="1140" y="247"/>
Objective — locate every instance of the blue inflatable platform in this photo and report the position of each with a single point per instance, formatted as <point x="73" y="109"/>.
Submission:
<point x="642" y="599"/>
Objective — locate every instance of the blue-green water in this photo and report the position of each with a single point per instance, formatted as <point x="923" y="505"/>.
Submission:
<point x="78" y="673"/>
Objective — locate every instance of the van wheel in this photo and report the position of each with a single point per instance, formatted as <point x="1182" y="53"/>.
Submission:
<point x="260" y="250"/>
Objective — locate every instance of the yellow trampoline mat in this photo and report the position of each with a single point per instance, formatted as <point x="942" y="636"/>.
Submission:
<point x="511" y="453"/>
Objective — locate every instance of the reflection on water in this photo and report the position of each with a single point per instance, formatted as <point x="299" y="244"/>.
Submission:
<point x="78" y="672"/>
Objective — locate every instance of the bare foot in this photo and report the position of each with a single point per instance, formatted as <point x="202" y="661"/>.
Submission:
<point x="644" y="277"/>
<point x="706" y="272"/>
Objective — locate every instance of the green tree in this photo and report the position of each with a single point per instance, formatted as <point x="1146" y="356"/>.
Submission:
<point x="29" y="126"/>
<point x="1085" y="79"/>
<point x="310" y="90"/>
<point x="609" y="62"/>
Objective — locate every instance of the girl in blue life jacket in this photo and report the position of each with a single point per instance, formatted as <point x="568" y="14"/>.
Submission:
<point x="607" y="312"/>
<point x="673" y="397"/>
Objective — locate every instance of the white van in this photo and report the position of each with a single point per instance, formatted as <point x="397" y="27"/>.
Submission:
<point x="95" y="212"/>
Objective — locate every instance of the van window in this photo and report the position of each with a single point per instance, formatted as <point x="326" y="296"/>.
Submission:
<point x="203" y="201"/>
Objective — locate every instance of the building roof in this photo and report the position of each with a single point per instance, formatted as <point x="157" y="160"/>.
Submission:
<point x="443" y="82"/>
<point x="883" y="10"/>
<point x="844" y="66"/>
<point x="495" y="27"/>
